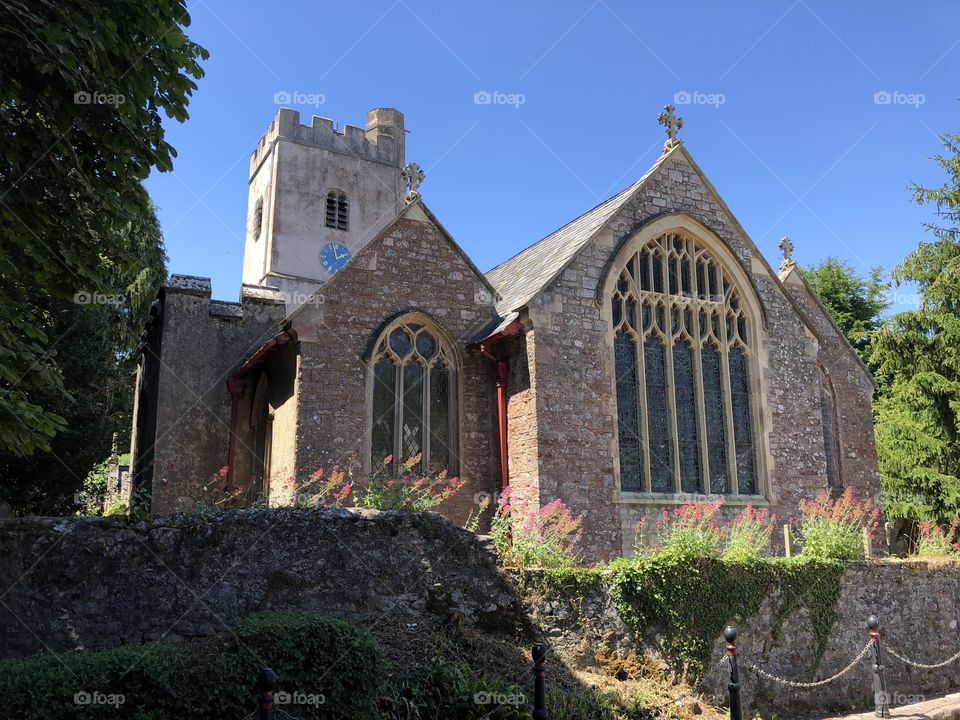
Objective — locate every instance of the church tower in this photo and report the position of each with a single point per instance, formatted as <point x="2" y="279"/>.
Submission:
<point x="317" y="195"/>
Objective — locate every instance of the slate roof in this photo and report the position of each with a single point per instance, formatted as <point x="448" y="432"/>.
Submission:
<point x="521" y="277"/>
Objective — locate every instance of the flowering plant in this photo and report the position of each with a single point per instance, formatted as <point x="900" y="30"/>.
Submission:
<point x="832" y="528"/>
<point x="546" y="537"/>
<point x="691" y="530"/>
<point x="387" y="488"/>
<point x="748" y="534"/>
<point x="937" y="541"/>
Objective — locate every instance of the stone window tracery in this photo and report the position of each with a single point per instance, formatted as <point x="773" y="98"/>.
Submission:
<point x="684" y="354"/>
<point x="414" y="403"/>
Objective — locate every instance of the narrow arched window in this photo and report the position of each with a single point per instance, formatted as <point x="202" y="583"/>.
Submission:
<point x="414" y="395"/>
<point x="258" y="219"/>
<point x="684" y="357"/>
<point x="831" y="445"/>
<point x="337" y="210"/>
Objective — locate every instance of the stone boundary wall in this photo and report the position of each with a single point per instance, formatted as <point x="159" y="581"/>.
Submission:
<point x="75" y="583"/>
<point x="81" y="583"/>
<point x="918" y="603"/>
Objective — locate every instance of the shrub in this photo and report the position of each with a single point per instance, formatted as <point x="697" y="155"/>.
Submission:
<point x="546" y="537"/>
<point x="936" y="541"/>
<point x="313" y="656"/>
<point x="748" y="534"/>
<point x="387" y="488"/>
<point x="832" y="528"/>
<point x="691" y="530"/>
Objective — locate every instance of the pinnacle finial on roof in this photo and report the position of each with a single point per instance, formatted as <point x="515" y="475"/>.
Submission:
<point x="786" y="246"/>
<point x="412" y="177"/>
<point x="672" y="123"/>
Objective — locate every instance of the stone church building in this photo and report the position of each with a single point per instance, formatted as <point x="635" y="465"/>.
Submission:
<point x="642" y="355"/>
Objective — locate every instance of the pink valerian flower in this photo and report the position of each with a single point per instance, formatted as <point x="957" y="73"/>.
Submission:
<point x="391" y="483"/>
<point x="388" y="459"/>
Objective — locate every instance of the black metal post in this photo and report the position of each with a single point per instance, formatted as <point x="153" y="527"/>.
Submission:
<point x="539" y="682"/>
<point x="266" y="684"/>
<point x="880" y="700"/>
<point x="736" y="709"/>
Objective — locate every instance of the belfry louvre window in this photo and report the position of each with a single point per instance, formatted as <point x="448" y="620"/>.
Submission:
<point x="414" y="401"/>
<point x="684" y="356"/>
<point x="337" y="211"/>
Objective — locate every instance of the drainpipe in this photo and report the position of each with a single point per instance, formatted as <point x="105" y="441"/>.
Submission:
<point x="236" y="387"/>
<point x="502" y="369"/>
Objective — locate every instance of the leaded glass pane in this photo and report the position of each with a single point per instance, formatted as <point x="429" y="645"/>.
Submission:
<point x="644" y="271"/>
<point x="685" y="283"/>
<point x="674" y="276"/>
<point x="384" y="380"/>
<point x="628" y="414"/>
<point x="400" y="342"/>
<point x="632" y="313"/>
<point x="411" y="433"/>
<point x="658" y="417"/>
<point x="688" y="435"/>
<point x="426" y="345"/>
<point x="657" y="274"/>
<point x="742" y="423"/>
<point x="617" y="311"/>
<point x="439" y="419"/>
<point x="716" y="419"/>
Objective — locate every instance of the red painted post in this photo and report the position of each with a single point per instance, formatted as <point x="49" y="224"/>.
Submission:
<point x="880" y="700"/>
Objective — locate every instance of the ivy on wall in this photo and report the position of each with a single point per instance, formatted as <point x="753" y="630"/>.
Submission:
<point x="688" y="601"/>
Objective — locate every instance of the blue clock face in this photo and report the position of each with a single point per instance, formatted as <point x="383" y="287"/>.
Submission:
<point x="334" y="256"/>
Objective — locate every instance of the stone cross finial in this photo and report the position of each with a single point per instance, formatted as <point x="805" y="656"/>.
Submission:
<point x="672" y="123"/>
<point x="786" y="246"/>
<point x="413" y="177"/>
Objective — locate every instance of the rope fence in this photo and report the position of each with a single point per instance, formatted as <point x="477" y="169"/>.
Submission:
<point x="881" y="698"/>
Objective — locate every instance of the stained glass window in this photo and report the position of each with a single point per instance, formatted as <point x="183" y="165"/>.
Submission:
<point x="414" y="396"/>
<point x="713" y="406"/>
<point x="688" y="440"/>
<point x="658" y="417"/>
<point x="683" y="339"/>
<point x="631" y="458"/>
<point x="742" y="424"/>
<point x="384" y="380"/>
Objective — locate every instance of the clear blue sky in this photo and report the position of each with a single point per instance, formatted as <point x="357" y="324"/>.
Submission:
<point x="792" y="138"/>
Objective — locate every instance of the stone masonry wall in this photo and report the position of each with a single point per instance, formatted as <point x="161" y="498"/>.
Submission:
<point x="412" y="266"/>
<point x="853" y="395"/>
<point x="84" y="583"/>
<point x="574" y="368"/>
<point x="917" y="602"/>
<point x="203" y="341"/>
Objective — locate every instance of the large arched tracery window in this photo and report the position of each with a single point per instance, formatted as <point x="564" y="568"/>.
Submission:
<point x="684" y="351"/>
<point x="414" y="395"/>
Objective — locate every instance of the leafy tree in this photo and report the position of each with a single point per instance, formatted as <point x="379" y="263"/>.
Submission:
<point x="856" y="302"/>
<point x="95" y="344"/>
<point x="917" y="355"/>
<point x="83" y="84"/>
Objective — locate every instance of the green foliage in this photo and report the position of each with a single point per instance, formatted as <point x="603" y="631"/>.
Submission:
<point x="545" y="537"/>
<point x="311" y="655"/>
<point x="855" y="302"/>
<point x="693" y="531"/>
<point x="917" y="356"/>
<point x="83" y="86"/>
<point x="688" y="601"/>
<point x="833" y="528"/>
<point x="97" y="366"/>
